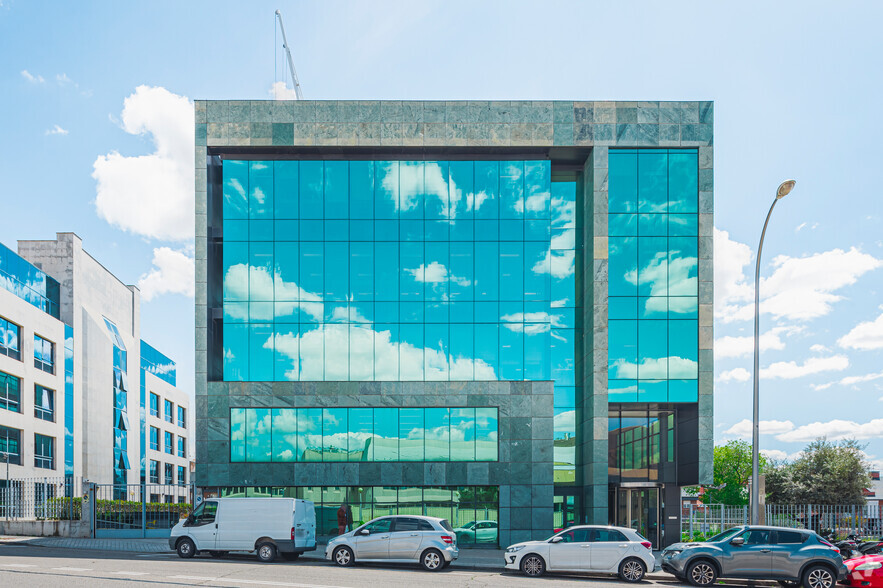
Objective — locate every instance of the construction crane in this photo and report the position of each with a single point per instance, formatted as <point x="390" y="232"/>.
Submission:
<point x="294" y="79"/>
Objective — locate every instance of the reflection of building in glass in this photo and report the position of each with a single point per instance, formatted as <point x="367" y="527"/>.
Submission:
<point x="378" y="273"/>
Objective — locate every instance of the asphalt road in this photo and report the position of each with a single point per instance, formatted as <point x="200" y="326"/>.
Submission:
<point x="26" y="565"/>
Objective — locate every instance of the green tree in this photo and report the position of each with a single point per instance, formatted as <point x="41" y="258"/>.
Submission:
<point x="732" y="470"/>
<point x="825" y="473"/>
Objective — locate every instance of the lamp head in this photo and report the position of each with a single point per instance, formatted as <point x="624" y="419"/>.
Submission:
<point x="784" y="188"/>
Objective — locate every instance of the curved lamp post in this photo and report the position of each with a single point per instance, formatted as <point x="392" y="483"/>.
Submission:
<point x="784" y="188"/>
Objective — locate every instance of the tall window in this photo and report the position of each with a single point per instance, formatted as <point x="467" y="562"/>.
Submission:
<point x="10" y="444"/>
<point x="182" y="417"/>
<point x="169" y="443"/>
<point x="44" y="354"/>
<point x="182" y="447"/>
<point x="44" y="403"/>
<point x="44" y="452"/>
<point x="182" y="476"/>
<point x="169" y="474"/>
<point x="10" y="392"/>
<point x="154" y="438"/>
<point x="169" y="410"/>
<point x="10" y="335"/>
<point x="154" y="405"/>
<point x="154" y="473"/>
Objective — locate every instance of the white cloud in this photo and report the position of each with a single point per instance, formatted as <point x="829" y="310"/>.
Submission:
<point x="819" y="348"/>
<point x="151" y="195"/>
<point x="743" y="346"/>
<point x="789" y="370"/>
<point x="34" y="79"/>
<point x="63" y="80"/>
<point x="279" y="91"/>
<point x="743" y="428"/>
<point x="673" y="367"/>
<point x="560" y="264"/>
<point x="802" y="226"/>
<point x="436" y="273"/>
<point x="532" y="323"/>
<point x="731" y="286"/>
<point x="565" y="421"/>
<point x="172" y="273"/>
<point x="866" y="335"/>
<point x="834" y="430"/>
<point x="735" y="375"/>
<point x="57" y="130"/>
<point x="851" y="381"/>
<point x="774" y="454"/>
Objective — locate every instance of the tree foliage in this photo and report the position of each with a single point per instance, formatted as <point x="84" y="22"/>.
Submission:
<point x="732" y="470"/>
<point x="825" y="473"/>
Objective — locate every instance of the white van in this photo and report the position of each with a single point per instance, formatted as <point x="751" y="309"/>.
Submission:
<point x="270" y="526"/>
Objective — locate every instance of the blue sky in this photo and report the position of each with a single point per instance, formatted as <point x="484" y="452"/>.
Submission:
<point x="796" y="87"/>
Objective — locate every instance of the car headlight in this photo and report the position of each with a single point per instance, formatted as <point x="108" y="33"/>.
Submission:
<point x="871" y="565"/>
<point x="672" y="552"/>
<point x="515" y="548"/>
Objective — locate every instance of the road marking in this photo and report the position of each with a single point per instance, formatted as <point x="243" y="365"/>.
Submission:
<point x="157" y="555"/>
<point x="193" y="578"/>
<point x="271" y="583"/>
<point x="73" y="569"/>
<point x="20" y="565"/>
<point x="125" y="573"/>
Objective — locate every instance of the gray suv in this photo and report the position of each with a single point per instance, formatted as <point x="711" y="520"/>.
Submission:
<point x="791" y="556"/>
<point x="429" y="541"/>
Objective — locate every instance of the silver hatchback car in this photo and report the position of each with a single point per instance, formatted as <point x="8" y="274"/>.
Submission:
<point x="429" y="541"/>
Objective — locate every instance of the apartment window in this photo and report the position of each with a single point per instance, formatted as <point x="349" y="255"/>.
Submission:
<point x="169" y="474"/>
<point x="169" y="443"/>
<point x="155" y="497"/>
<point x="182" y="417"/>
<point x="10" y="392"/>
<point x="44" y="452"/>
<point x="169" y="410"/>
<point x="182" y="476"/>
<point x="182" y="447"/>
<point x="154" y="438"/>
<point x="154" y="405"/>
<point x="182" y="500"/>
<point x="44" y="354"/>
<point x="10" y="335"/>
<point x="154" y="473"/>
<point x="10" y="444"/>
<point x="44" y="403"/>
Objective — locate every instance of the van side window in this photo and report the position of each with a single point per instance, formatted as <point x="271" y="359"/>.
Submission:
<point x="205" y="513"/>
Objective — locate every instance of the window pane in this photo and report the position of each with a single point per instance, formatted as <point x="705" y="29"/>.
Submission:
<point x="486" y="434"/>
<point x="411" y="434"/>
<point x="438" y="434"/>
<point x="284" y="434"/>
<point x="463" y="433"/>
<point x="257" y="429"/>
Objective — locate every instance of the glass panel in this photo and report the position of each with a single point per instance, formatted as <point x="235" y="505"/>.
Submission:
<point x="258" y="442"/>
<point x="284" y="421"/>
<point x="438" y="434"/>
<point x="411" y="434"/>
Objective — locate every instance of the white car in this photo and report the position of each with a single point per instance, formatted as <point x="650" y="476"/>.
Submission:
<point x="586" y="548"/>
<point x="477" y="532"/>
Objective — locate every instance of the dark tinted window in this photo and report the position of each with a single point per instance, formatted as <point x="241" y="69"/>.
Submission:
<point x="790" y="537"/>
<point x="446" y="526"/>
<point x="426" y="525"/>
<point x="607" y="535"/>
<point x="574" y="536"/>
<point x="403" y="524"/>
<point x="757" y="537"/>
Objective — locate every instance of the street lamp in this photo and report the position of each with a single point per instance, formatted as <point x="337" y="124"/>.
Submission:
<point x="784" y="188"/>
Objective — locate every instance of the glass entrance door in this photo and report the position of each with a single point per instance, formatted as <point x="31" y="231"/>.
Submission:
<point x="638" y="509"/>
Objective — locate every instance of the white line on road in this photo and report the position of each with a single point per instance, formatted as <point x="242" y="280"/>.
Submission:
<point x="73" y="569"/>
<point x="252" y="582"/>
<point x="203" y="578"/>
<point x="125" y="573"/>
<point x="19" y="565"/>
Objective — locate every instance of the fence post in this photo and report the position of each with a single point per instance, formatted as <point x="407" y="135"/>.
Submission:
<point x="143" y="509"/>
<point x="690" y="538"/>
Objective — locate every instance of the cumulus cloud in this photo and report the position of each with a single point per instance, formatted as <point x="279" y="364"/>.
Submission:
<point x="280" y="91"/>
<point x="743" y="428"/>
<point x="673" y="367"/>
<point x="532" y="323"/>
<point x="743" y="346"/>
<point x="172" y="273"/>
<point x="436" y="273"/>
<point x="864" y="336"/>
<point x="789" y="370"/>
<point x="834" y="430"/>
<point x="151" y="195"/>
<point x="731" y="285"/>
<point x="34" y="79"/>
<point x="735" y="375"/>
<point x="819" y="348"/>
<point x="56" y="130"/>
<point x="851" y="381"/>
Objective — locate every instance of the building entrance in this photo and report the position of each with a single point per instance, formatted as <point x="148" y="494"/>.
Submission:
<point x="638" y="509"/>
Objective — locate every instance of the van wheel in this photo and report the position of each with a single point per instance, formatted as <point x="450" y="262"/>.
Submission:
<point x="186" y="548"/>
<point x="533" y="565"/>
<point x="632" y="570"/>
<point x="266" y="552"/>
<point x="432" y="560"/>
<point x="818" y="577"/>
<point x="218" y="554"/>
<point x="343" y="556"/>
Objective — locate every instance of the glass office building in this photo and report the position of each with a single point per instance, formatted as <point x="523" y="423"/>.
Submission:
<point x="445" y="301"/>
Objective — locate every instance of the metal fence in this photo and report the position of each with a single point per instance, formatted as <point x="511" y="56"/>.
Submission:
<point x="704" y="520"/>
<point x="41" y="499"/>
<point x="140" y="510"/>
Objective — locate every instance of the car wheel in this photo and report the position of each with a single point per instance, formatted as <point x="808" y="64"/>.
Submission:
<point x="266" y="552"/>
<point x="701" y="573"/>
<point x="186" y="548"/>
<point x="432" y="560"/>
<point x="818" y="577"/>
<point x="533" y="565"/>
<point x="290" y="556"/>
<point x="343" y="556"/>
<point x="218" y="554"/>
<point x="632" y="570"/>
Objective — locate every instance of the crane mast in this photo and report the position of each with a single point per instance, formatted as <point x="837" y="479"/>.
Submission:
<point x="294" y="79"/>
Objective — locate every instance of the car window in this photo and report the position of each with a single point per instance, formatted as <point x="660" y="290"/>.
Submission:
<point x="446" y="526"/>
<point x="757" y="537"/>
<point x="789" y="537"/>
<point x="379" y="526"/>
<point x="574" y="536"/>
<point x="607" y="535"/>
<point x="487" y="525"/>
<point x="426" y="525"/>
<point x="725" y="535"/>
<point x="403" y="524"/>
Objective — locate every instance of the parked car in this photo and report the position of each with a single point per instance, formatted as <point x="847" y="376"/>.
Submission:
<point x="790" y="556"/>
<point x="866" y="571"/>
<point x="585" y="548"/>
<point x="269" y="526"/>
<point x="429" y="541"/>
<point x="478" y="532"/>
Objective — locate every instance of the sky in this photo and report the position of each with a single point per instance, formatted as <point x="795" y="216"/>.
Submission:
<point x="97" y="139"/>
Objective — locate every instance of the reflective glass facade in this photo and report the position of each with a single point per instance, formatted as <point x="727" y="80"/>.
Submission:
<point x="69" y="401"/>
<point x="653" y="275"/>
<point x="27" y="282"/>
<point x="120" y="412"/>
<point x="363" y="434"/>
